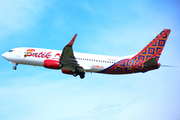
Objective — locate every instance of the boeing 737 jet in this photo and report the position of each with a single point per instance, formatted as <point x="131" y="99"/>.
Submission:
<point x="75" y="63"/>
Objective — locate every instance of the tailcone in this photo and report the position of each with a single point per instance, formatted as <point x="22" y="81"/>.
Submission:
<point x="159" y="64"/>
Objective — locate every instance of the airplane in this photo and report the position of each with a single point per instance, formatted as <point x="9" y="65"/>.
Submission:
<point x="76" y="63"/>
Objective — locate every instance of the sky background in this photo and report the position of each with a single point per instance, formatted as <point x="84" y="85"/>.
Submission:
<point x="106" y="27"/>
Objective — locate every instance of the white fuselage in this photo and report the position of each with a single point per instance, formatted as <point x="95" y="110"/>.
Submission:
<point x="90" y="62"/>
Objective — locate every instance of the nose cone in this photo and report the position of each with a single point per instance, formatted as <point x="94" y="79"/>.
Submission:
<point x="4" y="55"/>
<point x="7" y="56"/>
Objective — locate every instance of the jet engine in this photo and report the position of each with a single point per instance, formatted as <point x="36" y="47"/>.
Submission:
<point x="69" y="72"/>
<point x="51" y="64"/>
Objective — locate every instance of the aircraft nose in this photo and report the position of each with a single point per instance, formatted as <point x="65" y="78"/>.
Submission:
<point x="4" y="55"/>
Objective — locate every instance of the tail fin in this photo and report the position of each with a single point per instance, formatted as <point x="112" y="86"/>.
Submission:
<point x="154" y="48"/>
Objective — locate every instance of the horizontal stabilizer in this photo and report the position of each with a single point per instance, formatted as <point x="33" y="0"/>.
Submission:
<point x="168" y="66"/>
<point x="151" y="62"/>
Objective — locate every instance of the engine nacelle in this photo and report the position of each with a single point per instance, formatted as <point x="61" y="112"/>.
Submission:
<point x="51" y="64"/>
<point x="69" y="72"/>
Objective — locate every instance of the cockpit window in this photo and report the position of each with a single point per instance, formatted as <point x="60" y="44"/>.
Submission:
<point x="10" y="50"/>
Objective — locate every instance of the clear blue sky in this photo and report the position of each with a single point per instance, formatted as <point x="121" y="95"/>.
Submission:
<point x="108" y="27"/>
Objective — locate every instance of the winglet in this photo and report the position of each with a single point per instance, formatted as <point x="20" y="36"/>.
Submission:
<point x="72" y="41"/>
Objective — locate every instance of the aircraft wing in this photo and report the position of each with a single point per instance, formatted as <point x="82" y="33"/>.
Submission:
<point x="67" y="58"/>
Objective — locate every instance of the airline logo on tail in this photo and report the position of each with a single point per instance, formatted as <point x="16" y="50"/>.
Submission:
<point x="145" y="60"/>
<point x="154" y="48"/>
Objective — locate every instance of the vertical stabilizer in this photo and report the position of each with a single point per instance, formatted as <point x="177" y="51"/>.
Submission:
<point x="154" y="48"/>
